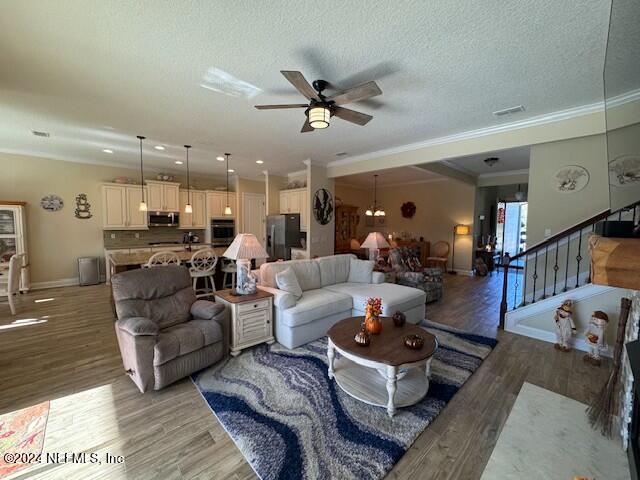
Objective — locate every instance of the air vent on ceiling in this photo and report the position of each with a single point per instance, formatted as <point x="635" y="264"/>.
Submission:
<point x="509" y="111"/>
<point x="38" y="133"/>
<point x="341" y="154"/>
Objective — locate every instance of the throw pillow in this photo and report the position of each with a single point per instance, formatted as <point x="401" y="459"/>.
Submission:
<point x="287" y="281"/>
<point x="360" y="271"/>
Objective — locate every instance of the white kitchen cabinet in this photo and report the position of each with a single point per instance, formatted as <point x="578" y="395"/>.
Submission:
<point x="121" y="207"/>
<point x="296" y="201"/>
<point x="163" y="196"/>
<point x="196" y="219"/>
<point x="216" y="203"/>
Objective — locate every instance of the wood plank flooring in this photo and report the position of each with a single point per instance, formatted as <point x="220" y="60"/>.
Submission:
<point x="72" y="358"/>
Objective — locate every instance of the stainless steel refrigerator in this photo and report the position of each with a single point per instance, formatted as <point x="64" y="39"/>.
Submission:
<point x="283" y="232"/>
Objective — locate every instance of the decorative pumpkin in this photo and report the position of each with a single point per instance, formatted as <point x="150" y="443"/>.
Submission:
<point x="399" y="319"/>
<point x="373" y="309"/>
<point x="408" y="209"/>
<point x="362" y="338"/>
<point x="414" y="342"/>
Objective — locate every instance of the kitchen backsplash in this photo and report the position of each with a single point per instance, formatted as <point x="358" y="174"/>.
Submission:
<point x="127" y="238"/>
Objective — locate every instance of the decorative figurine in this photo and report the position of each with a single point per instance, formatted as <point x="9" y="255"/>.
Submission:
<point x="595" y="337"/>
<point x="362" y="338"/>
<point x="565" y="327"/>
<point x="414" y="342"/>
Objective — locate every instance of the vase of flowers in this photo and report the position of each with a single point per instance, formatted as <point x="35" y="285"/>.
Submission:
<point x="373" y="310"/>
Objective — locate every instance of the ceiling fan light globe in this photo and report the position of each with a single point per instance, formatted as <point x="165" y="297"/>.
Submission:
<point x="319" y="117"/>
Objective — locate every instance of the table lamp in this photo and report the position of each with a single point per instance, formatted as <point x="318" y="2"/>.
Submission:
<point x="374" y="242"/>
<point x="457" y="230"/>
<point x="243" y="248"/>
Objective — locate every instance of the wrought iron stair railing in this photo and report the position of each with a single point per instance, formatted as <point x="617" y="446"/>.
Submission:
<point x="555" y="265"/>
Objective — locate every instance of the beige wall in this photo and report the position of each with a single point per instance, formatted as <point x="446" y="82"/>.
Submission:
<point x="549" y="209"/>
<point x="320" y="238"/>
<point x="439" y="206"/>
<point x="274" y="184"/>
<point x="56" y="239"/>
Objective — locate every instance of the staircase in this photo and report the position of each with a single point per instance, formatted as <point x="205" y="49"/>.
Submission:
<point x="554" y="266"/>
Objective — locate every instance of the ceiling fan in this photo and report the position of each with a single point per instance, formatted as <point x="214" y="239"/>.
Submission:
<point x="320" y="108"/>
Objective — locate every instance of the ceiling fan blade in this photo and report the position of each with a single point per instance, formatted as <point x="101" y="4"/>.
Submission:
<point x="355" y="94"/>
<point x="351" y="115"/>
<point x="301" y="84"/>
<point x="306" y="127"/>
<point x="286" y="105"/>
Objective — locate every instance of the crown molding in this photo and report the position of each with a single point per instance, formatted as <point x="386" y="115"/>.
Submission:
<point x="508" y="173"/>
<point x="481" y="132"/>
<point x="464" y="170"/>
<point x="627" y="97"/>
<point x="392" y="185"/>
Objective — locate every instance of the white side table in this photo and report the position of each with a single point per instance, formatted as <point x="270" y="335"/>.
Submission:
<point x="251" y="318"/>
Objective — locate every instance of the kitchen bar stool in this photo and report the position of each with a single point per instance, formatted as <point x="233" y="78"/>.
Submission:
<point x="229" y="268"/>
<point x="163" y="258"/>
<point x="203" y="265"/>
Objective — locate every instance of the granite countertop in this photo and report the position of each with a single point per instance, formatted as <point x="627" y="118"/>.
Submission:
<point x="146" y="245"/>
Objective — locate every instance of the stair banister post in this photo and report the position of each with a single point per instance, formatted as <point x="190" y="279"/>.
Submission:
<point x="503" y="305"/>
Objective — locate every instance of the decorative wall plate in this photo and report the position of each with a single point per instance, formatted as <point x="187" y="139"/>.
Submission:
<point x="52" y="203"/>
<point x="408" y="209"/>
<point x="624" y="171"/>
<point x="323" y="206"/>
<point x="570" y="179"/>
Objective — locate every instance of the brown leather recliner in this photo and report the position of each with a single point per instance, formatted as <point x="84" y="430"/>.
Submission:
<point x="163" y="331"/>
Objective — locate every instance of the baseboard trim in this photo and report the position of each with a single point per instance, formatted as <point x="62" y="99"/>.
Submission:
<point x="466" y="273"/>
<point x="62" y="282"/>
<point x="579" y="342"/>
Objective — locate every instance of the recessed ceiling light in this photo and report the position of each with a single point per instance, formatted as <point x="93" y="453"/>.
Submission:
<point x="220" y="159"/>
<point x="159" y="147"/>
<point x="107" y="150"/>
<point x="178" y="162"/>
<point x="231" y="170"/>
<point x="259" y="162"/>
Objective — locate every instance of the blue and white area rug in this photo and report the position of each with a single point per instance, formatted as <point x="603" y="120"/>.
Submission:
<point x="291" y="422"/>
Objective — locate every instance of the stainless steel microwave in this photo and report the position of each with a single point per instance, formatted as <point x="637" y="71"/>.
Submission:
<point x="163" y="219"/>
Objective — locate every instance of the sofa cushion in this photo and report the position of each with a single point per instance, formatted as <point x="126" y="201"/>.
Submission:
<point x="307" y="272"/>
<point x="287" y="281"/>
<point x="394" y="297"/>
<point x="185" y="338"/>
<point x="315" y="304"/>
<point x="334" y="268"/>
<point x="360" y="271"/>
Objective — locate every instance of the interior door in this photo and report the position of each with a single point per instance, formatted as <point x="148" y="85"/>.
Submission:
<point x="254" y="216"/>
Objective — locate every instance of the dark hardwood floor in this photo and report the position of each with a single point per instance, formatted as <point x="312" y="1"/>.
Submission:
<point x="62" y="347"/>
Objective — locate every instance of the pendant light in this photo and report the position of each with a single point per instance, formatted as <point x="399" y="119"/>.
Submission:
<point x="519" y="194"/>
<point x="188" y="208"/>
<point x="227" y="209"/>
<point x="143" y="205"/>
<point x="375" y="210"/>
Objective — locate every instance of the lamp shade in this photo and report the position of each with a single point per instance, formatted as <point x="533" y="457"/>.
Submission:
<point x="245" y="246"/>
<point x="462" y="229"/>
<point x="375" y="240"/>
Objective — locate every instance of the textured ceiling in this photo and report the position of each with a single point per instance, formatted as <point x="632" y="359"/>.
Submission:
<point x="389" y="177"/>
<point x="508" y="160"/>
<point x="96" y="73"/>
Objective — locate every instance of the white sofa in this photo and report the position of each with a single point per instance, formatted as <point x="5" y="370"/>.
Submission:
<point x="328" y="297"/>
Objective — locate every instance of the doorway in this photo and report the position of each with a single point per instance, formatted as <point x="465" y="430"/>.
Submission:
<point x="511" y="227"/>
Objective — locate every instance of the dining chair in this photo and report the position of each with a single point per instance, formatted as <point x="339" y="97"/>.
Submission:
<point x="440" y="255"/>
<point x="162" y="259"/>
<point x="203" y="265"/>
<point x="13" y="280"/>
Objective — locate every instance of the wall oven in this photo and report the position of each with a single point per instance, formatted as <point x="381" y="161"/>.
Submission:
<point x="223" y="231"/>
<point x="163" y="219"/>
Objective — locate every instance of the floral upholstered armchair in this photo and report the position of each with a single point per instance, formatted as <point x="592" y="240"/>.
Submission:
<point x="405" y="263"/>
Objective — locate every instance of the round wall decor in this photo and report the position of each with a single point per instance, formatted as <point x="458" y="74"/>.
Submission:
<point x="408" y="209"/>
<point x="624" y="171"/>
<point x="323" y="206"/>
<point x="570" y="179"/>
<point x="52" y="203"/>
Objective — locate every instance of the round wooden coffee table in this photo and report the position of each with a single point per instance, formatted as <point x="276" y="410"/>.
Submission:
<point x="385" y="373"/>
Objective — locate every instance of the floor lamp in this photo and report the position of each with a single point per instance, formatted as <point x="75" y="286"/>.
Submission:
<point x="457" y="230"/>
